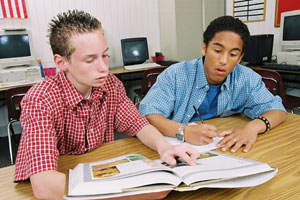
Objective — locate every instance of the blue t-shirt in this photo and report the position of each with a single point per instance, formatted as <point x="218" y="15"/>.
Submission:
<point x="208" y="108"/>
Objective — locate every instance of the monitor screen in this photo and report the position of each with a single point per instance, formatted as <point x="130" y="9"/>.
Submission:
<point x="12" y="46"/>
<point x="16" y="49"/>
<point x="289" y="31"/>
<point x="134" y="50"/>
<point x="291" y="28"/>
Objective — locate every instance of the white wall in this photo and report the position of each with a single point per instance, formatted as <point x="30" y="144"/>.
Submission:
<point x="120" y="19"/>
<point x="262" y="27"/>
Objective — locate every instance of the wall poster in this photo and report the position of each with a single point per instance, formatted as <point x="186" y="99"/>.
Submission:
<point x="249" y="10"/>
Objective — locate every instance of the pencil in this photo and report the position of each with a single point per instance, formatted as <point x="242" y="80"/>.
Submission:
<point x="197" y="113"/>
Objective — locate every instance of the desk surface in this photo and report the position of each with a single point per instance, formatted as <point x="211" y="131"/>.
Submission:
<point x="279" y="148"/>
<point x="278" y="70"/>
<point x="122" y="70"/>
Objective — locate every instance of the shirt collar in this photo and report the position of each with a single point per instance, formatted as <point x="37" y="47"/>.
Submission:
<point x="71" y="96"/>
<point x="201" y="79"/>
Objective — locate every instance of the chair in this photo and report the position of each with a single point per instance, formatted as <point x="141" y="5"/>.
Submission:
<point x="149" y="78"/>
<point x="13" y="101"/>
<point x="274" y="83"/>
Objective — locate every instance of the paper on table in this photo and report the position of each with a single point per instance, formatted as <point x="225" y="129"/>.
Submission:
<point x="202" y="148"/>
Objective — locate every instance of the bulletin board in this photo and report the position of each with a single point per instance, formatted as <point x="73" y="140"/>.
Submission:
<point x="249" y="11"/>
<point x="284" y="6"/>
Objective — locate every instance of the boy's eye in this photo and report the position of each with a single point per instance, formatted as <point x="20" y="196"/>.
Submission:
<point x="106" y="56"/>
<point x="217" y="51"/>
<point x="90" y="60"/>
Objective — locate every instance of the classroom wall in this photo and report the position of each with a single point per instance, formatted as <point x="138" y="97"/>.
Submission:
<point x="120" y="19"/>
<point x="262" y="27"/>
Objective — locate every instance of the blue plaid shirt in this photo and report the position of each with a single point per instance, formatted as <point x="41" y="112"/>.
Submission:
<point x="184" y="85"/>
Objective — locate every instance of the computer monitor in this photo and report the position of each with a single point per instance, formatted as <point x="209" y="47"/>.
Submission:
<point x="289" y="31"/>
<point x="259" y="49"/>
<point x="134" y="50"/>
<point x="16" y="48"/>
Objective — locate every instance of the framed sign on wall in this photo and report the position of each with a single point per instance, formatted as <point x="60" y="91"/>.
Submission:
<point x="284" y="6"/>
<point x="249" y="11"/>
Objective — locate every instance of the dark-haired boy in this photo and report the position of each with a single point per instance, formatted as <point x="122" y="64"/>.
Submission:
<point x="218" y="86"/>
<point x="78" y="110"/>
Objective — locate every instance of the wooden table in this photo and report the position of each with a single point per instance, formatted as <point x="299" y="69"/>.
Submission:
<point x="279" y="147"/>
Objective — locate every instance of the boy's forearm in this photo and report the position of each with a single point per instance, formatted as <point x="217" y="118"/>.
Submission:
<point x="48" y="184"/>
<point x="150" y="136"/>
<point x="275" y="117"/>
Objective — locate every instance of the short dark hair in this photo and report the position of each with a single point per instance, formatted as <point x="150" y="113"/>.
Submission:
<point x="227" y="23"/>
<point x="62" y="27"/>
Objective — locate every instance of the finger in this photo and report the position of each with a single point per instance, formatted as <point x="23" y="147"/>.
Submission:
<point x="186" y="157"/>
<point x="224" y="133"/>
<point x="222" y="142"/>
<point x="248" y="147"/>
<point x="229" y="143"/>
<point x="210" y="134"/>
<point x="170" y="160"/>
<point x="209" y="127"/>
<point x="206" y="140"/>
<point x="237" y="145"/>
<point x="189" y="154"/>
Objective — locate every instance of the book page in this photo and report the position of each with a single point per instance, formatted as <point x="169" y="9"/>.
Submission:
<point x="124" y="166"/>
<point x="212" y="165"/>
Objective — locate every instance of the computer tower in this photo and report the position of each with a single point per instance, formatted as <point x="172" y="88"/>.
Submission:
<point x="259" y="49"/>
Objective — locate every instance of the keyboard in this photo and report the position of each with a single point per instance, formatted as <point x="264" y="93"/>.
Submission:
<point x="167" y="63"/>
<point x="282" y="67"/>
<point x="141" y="66"/>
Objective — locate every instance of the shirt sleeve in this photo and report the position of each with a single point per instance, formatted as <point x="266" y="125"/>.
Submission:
<point x="261" y="99"/>
<point x="37" y="150"/>
<point x="127" y="117"/>
<point x="160" y="99"/>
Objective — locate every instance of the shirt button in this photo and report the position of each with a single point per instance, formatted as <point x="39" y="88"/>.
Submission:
<point x="91" y="130"/>
<point x="189" y="115"/>
<point x="206" y="86"/>
<point x="199" y="100"/>
<point x="197" y="86"/>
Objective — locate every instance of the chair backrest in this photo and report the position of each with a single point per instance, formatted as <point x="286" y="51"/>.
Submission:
<point x="273" y="82"/>
<point x="149" y="78"/>
<point x="13" y="101"/>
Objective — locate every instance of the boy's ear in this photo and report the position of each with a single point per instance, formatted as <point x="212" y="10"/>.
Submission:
<point x="203" y="49"/>
<point x="60" y="62"/>
<point x="241" y="56"/>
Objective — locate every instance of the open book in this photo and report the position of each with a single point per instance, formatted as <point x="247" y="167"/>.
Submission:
<point x="135" y="174"/>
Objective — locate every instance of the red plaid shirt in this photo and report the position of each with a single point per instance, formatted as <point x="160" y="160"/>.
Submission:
<point x="57" y="120"/>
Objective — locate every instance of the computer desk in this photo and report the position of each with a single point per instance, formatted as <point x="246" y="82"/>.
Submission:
<point x="118" y="71"/>
<point x="129" y="75"/>
<point x="279" y="148"/>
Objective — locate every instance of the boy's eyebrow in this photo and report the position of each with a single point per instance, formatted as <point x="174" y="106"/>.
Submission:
<point x="220" y="45"/>
<point x="91" y="55"/>
<point x="106" y="49"/>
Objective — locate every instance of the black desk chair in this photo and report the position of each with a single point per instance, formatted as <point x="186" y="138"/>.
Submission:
<point x="149" y="78"/>
<point x="274" y="83"/>
<point x="13" y="101"/>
